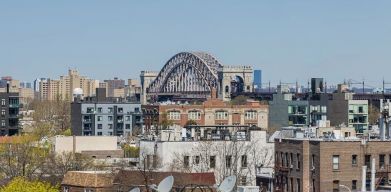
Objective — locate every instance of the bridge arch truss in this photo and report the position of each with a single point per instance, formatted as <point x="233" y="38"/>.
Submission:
<point x="187" y="73"/>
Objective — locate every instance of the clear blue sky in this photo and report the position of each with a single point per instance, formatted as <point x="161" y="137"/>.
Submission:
<point x="288" y="40"/>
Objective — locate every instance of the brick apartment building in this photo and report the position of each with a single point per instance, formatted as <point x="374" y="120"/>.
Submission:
<point x="313" y="165"/>
<point x="211" y="112"/>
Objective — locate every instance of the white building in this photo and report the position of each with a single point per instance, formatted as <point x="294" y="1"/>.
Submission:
<point x="226" y="150"/>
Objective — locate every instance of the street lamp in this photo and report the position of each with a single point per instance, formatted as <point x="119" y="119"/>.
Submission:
<point x="343" y="186"/>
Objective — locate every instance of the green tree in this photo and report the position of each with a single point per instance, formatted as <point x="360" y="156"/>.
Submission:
<point x="131" y="151"/>
<point x="19" y="184"/>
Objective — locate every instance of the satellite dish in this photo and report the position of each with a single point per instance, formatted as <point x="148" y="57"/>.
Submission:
<point x="228" y="184"/>
<point x="136" y="189"/>
<point x="165" y="185"/>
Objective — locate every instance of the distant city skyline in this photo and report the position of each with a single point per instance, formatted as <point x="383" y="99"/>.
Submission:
<point x="288" y="40"/>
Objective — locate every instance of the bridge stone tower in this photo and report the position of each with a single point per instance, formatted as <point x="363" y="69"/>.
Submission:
<point x="234" y="79"/>
<point x="146" y="78"/>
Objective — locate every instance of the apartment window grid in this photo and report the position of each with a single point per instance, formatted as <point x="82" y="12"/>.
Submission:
<point x="127" y="118"/>
<point x="174" y="115"/>
<point x="382" y="161"/>
<point x="298" y="161"/>
<point x="354" y="184"/>
<point x="244" y="161"/>
<point x="250" y="115"/>
<point x="335" y="162"/>
<point x="243" y="180"/>
<point x="186" y="161"/>
<point x="194" y="115"/>
<point x="212" y="162"/>
<point x="228" y="161"/>
<point x="354" y="159"/>
<point x="221" y="115"/>
<point x="197" y="160"/>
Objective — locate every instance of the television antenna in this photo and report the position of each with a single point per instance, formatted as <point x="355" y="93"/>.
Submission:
<point x="136" y="189"/>
<point x="165" y="185"/>
<point x="228" y="184"/>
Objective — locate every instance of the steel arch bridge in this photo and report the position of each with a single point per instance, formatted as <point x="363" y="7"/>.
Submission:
<point x="193" y="73"/>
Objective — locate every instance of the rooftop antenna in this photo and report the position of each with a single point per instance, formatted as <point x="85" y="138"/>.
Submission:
<point x="136" y="189"/>
<point x="228" y="184"/>
<point x="165" y="185"/>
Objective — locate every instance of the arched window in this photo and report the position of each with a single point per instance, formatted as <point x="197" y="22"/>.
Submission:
<point x="227" y="89"/>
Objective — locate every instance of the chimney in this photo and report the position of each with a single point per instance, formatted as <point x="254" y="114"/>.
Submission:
<point x="213" y="93"/>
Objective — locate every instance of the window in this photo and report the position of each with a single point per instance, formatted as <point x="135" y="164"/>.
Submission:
<point x="174" y="115"/>
<point x="110" y="126"/>
<point x="221" y="115"/>
<point x="298" y="161"/>
<point x="90" y="110"/>
<point x="298" y="185"/>
<point x="66" y="189"/>
<point x="100" y="133"/>
<point x="186" y="161"/>
<point x="2" y="123"/>
<point x="137" y="110"/>
<point x="354" y="184"/>
<point x="100" y="126"/>
<point x="354" y="159"/>
<point x="110" y="133"/>
<point x="110" y="109"/>
<point x="194" y="115"/>
<point x="228" y="161"/>
<point x="197" y="160"/>
<point x="243" y="180"/>
<point x="335" y="186"/>
<point x="335" y="162"/>
<point x="250" y="115"/>
<point x="368" y="161"/>
<point x="2" y="112"/>
<point x="212" y="161"/>
<point x="381" y="161"/>
<point x="110" y="118"/>
<point x="99" y="109"/>
<point x="3" y="102"/>
<point x="313" y="161"/>
<point x="100" y="118"/>
<point x="127" y="126"/>
<point x="127" y="118"/>
<point x="244" y="160"/>
<point x="292" y="161"/>
<point x="120" y="110"/>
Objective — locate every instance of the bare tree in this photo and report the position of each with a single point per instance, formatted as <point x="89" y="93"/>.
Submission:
<point x="225" y="158"/>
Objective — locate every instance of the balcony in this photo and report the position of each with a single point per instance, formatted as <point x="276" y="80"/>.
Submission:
<point x="87" y="120"/>
<point x="13" y="105"/>
<point x="13" y="115"/>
